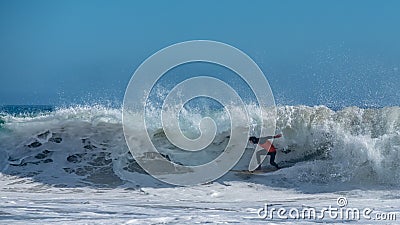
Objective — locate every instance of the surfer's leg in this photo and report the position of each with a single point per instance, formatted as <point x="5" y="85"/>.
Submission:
<point x="259" y="167"/>
<point x="272" y="159"/>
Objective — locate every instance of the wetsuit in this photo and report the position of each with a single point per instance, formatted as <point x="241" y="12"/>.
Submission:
<point x="267" y="145"/>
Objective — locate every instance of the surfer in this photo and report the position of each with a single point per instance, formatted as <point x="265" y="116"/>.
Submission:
<point x="268" y="146"/>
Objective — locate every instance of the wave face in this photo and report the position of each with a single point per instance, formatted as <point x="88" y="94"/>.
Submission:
<point x="85" y="145"/>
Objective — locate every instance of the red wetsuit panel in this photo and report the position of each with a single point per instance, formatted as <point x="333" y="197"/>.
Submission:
<point x="268" y="146"/>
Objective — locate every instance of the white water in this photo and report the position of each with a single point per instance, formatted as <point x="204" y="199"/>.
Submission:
<point x="55" y="168"/>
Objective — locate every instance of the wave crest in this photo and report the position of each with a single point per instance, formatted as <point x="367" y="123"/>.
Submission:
<point x="86" y="145"/>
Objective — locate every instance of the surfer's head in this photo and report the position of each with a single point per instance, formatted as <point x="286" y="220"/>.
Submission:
<point x="253" y="139"/>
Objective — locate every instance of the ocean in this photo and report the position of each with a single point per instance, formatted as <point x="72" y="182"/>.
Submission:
<point x="63" y="165"/>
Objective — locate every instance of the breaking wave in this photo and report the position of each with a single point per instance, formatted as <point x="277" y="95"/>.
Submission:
<point x="85" y="145"/>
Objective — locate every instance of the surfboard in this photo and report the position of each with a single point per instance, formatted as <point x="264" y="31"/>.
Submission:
<point x="257" y="172"/>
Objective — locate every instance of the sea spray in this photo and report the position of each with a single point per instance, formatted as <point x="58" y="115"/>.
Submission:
<point x="85" y="144"/>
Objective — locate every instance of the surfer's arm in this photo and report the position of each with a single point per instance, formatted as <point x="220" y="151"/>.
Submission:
<point x="267" y="137"/>
<point x="271" y="137"/>
<point x="264" y="139"/>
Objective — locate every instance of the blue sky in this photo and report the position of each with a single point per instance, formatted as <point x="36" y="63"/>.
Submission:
<point x="336" y="53"/>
